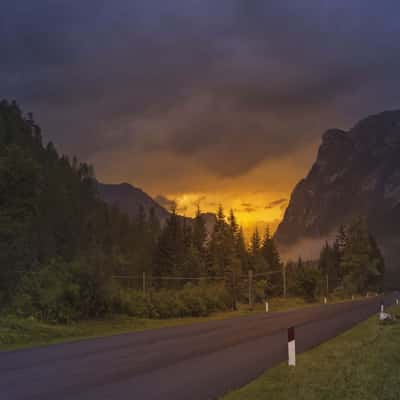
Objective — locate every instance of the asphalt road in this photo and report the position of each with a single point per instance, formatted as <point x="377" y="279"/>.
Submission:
<point x="200" y="361"/>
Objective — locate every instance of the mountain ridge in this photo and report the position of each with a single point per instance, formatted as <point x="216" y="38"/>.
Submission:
<point x="129" y="199"/>
<point x="356" y="173"/>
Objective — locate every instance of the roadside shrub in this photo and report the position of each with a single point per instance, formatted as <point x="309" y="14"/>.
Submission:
<point x="194" y="301"/>
<point x="167" y="304"/>
<point x="133" y="303"/>
<point x="62" y="292"/>
<point x="308" y="279"/>
<point x="48" y="294"/>
<point x="216" y="298"/>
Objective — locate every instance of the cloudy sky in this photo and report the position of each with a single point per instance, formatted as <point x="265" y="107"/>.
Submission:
<point x="201" y="101"/>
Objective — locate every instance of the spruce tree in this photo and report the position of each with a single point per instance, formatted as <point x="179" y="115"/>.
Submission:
<point x="273" y="264"/>
<point x="200" y="242"/>
<point x="170" y="249"/>
<point x="361" y="262"/>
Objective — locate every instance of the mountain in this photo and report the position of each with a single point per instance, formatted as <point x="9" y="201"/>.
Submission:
<point x="129" y="199"/>
<point x="357" y="173"/>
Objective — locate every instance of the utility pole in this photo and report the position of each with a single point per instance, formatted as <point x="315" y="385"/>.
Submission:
<point x="144" y="282"/>
<point x="250" y="289"/>
<point x="284" y="280"/>
<point x="327" y="285"/>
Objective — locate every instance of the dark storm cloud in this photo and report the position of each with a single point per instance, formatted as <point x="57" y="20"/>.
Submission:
<point x="248" y="207"/>
<point x="227" y="84"/>
<point x="275" y="203"/>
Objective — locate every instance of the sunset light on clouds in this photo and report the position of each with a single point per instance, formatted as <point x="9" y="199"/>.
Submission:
<point x="200" y="99"/>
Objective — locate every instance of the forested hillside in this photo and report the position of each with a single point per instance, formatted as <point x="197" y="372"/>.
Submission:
<point x="51" y="219"/>
<point x="61" y="246"/>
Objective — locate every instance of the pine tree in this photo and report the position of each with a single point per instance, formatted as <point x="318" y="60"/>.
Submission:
<point x="170" y="249"/>
<point x="328" y="264"/>
<point x="233" y="225"/>
<point x="220" y="255"/>
<point x="362" y="264"/>
<point x="341" y="238"/>
<point x="241" y="251"/>
<point x="200" y="242"/>
<point x="255" y="243"/>
<point x="273" y="264"/>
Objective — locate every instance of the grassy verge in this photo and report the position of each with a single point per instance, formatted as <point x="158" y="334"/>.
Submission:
<point x="361" y="364"/>
<point x="19" y="333"/>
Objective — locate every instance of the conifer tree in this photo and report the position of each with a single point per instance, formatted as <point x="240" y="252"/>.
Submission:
<point x="361" y="262"/>
<point x="273" y="265"/>
<point x="200" y="242"/>
<point x="241" y="251"/>
<point x="220" y="254"/>
<point x="257" y="261"/>
<point x="170" y="249"/>
<point x="329" y="267"/>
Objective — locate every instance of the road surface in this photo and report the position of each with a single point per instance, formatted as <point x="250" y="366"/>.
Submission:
<point x="199" y="361"/>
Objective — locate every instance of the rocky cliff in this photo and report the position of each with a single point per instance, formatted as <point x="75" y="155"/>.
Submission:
<point x="357" y="173"/>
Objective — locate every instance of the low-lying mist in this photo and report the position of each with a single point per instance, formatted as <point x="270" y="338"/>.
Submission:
<point x="307" y="249"/>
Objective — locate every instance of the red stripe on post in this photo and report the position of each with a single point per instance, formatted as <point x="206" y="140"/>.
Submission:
<point x="291" y="334"/>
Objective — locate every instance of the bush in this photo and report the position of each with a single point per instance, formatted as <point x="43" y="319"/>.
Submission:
<point x="194" y="301"/>
<point x="133" y="303"/>
<point x="62" y="292"/>
<point x="306" y="283"/>
<point x="48" y="294"/>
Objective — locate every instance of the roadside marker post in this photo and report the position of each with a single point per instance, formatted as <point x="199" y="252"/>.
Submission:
<point x="325" y="300"/>
<point x="250" y="278"/>
<point x="291" y="347"/>
<point x="382" y="312"/>
<point x="397" y="302"/>
<point x="266" y="306"/>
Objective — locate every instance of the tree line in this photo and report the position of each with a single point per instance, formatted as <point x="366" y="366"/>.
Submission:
<point x="352" y="264"/>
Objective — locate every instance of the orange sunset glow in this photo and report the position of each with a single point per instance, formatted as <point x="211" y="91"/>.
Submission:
<point x="258" y="195"/>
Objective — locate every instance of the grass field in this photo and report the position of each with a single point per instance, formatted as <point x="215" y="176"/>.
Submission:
<point x="27" y="332"/>
<point x="361" y="364"/>
<point x="19" y="333"/>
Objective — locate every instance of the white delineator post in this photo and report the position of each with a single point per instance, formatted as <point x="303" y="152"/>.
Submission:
<point x="381" y="316"/>
<point x="325" y="300"/>
<point x="397" y="301"/>
<point x="291" y="347"/>
<point x="266" y="306"/>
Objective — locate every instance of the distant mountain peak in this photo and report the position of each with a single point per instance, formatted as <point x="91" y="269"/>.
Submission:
<point x="129" y="199"/>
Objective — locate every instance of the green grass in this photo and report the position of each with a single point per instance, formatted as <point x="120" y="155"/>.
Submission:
<point x="19" y="332"/>
<point x="361" y="364"/>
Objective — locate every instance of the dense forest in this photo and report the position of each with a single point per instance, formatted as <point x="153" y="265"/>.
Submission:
<point x="65" y="254"/>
